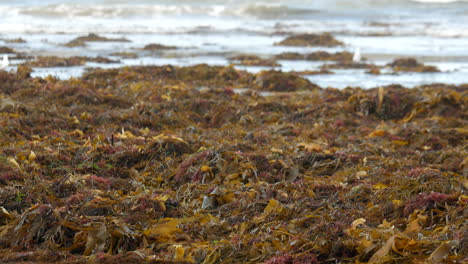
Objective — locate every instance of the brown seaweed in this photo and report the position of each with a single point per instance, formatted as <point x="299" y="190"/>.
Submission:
<point x="54" y="61"/>
<point x="91" y="37"/>
<point x="316" y="56"/>
<point x="310" y="40"/>
<point x="16" y="40"/>
<point x="411" y="65"/>
<point x="157" y="47"/>
<point x="166" y="164"/>
<point x="7" y="50"/>
<point x="252" y="60"/>
<point x="125" y="55"/>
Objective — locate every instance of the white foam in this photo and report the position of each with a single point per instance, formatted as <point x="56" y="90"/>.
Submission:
<point x="438" y="1"/>
<point x="164" y="16"/>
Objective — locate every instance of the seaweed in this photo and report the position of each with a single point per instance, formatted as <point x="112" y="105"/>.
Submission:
<point x="16" y="40"/>
<point x="411" y="65"/>
<point x="75" y="43"/>
<point x="125" y="55"/>
<point x="316" y="56"/>
<point x="91" y="37"/>
<point x="374" y="70"/>
<point x="322" y="70"/>
<point x="252" y="60"/>
<point x="54" y="61"/>
<point x="157" y="47"/>
<point x="167" y="164"/>
<point x="282" y="82"/>
<point x="290" y="56"/>
<point x="351" y="65"/>
<point x="311" y="40"/>
<point x="7" y="50"/>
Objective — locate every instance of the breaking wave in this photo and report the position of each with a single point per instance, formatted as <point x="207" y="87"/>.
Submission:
<point x="149" y="16"/>
<point x="263" y="11"/>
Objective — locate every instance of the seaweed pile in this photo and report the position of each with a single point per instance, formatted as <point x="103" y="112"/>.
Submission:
<point x="5" y="49"/>
<point x="311" y="40"/>
<point x="15" y="40"/>
<point x="165" y="164"/>
<point x="157" y="47"/>
<point x="411" y="65"/>
<point x="316" y="56"/>
<point x="54" y="61"/>
<point x="81" y="41"/>
<point x="252" y="60"/>
<point x="397" y="65"/>
<point x="125" y="55"/>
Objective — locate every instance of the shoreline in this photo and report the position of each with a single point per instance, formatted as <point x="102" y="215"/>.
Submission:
<point x="325" y="63"/>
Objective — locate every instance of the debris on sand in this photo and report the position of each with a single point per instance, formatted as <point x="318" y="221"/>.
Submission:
<point x="91" y="37"/>
<point x="316" y="56"/>
<point x="311" y="40"/>
<point x="16" y="40"/>
<point x="411" y="65"/>
<point x="282" y="82"/>
<point x="125" y="55"/>
<point x="7" y="50"/>
<point x="54" y="61"/>
<point x="158" y="47"/>
<point x="252" y="60"/>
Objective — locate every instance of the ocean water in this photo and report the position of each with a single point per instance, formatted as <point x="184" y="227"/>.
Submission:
<point x="208" y="31"/>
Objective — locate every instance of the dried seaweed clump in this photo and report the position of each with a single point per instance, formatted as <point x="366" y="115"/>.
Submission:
<point x="375" y="70"/>
<point x="316" y="56"/>
<point x="201" y="75"/>
<point x="290" y="56"/>
<point x="325" y="56"/>
<point x="125" y="55"/>
<point x="253" y="60"/>
<point x="91" y="37"/>
<point x="157" y="47"/>
<point x="16" y="40"/>
<point x="7" y="50"/>
<point x="411" y="65"/>
<point x="311" y="40"/>
<point x="391" y="102"/>
<point x="278" y="81"/>
<point x="322" y="70"/>
<point x="75" y="43"/>
<point x="101" y="59"/>
<point x="11" y="82"/>
<point x="54" y="61"/>
<point x="351" y="65"/>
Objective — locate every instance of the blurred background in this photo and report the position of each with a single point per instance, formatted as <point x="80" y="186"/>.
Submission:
<point x="212" y="31"/>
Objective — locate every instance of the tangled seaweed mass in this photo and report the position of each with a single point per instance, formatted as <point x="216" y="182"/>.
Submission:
<point x="209" y="164"/>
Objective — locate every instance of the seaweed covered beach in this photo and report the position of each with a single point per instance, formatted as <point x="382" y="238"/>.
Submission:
<point x="206" y="132"/>
<point x="210" y="164"/>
